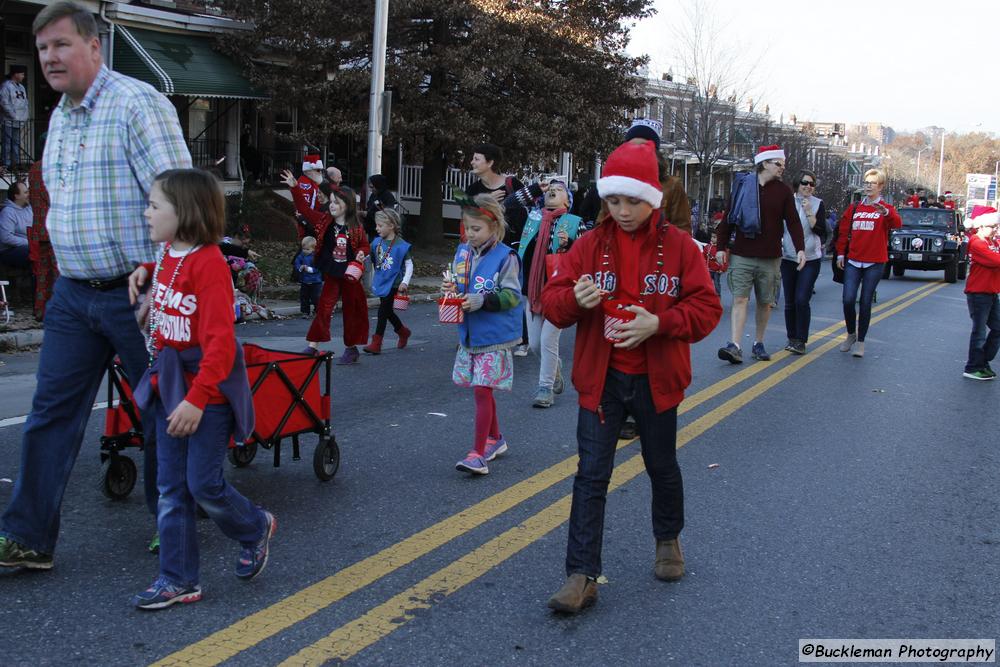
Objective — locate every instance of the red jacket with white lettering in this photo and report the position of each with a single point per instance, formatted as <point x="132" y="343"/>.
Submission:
<point x="869" y="231"/>
<point x="683" y="298"/>
<point x="198" y="311"/>
<point x="984" y="267"/>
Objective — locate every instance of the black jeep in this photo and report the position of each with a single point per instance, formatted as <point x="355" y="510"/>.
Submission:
<point x="931" y="239"/>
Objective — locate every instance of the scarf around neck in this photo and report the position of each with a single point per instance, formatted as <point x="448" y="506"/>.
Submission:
<point x="537" y="274"/>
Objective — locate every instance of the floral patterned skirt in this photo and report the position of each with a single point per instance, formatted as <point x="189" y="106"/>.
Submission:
<point x="483" y="369"/>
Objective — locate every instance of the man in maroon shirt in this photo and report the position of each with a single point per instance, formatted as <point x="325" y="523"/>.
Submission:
<point x="756" y="257"/>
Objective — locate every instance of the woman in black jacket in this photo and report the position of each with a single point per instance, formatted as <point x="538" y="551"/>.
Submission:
<point x="380" y="197"/>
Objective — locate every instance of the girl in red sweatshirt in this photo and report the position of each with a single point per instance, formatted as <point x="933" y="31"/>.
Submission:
<point x="981" y="290"/>
<point x="634" y="259"/>
<point x="341" y="240"/>
<point x="862" y="251"/>
<point x="196" y="384"/>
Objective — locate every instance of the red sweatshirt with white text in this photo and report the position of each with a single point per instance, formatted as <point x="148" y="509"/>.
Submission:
<point x="984" y="267"/>
<point x="869" y="231"/>
<point x="198" y="311"/>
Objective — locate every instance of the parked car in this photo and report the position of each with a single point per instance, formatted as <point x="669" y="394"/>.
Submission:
<point x="931" y="239"/>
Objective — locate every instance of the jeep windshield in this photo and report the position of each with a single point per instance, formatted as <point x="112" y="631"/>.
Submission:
<point x="928" y="218"/>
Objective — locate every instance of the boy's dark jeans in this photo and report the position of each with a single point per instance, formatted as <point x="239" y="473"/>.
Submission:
<point x="309" y="296"/>
<point x="984" y="309"/>
<point x="798" y="288"/>
<point x="623" y="395"/>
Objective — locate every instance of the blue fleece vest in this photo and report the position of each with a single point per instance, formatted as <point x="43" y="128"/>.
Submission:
<point x="389" y="268"/>
<point x="482" y="328"/>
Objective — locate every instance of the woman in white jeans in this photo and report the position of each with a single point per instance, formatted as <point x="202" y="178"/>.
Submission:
<point x="549" y="231"/>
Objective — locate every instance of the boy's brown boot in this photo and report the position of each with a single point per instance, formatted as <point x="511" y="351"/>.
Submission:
<point x="669" y="560"/>
<point x="576" y="594"/>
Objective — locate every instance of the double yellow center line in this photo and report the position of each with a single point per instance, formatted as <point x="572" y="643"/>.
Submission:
<point x="356" y="635"/>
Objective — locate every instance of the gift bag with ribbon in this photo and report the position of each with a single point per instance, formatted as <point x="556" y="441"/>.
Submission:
<point x="354" y="271"/>
<point x="401" y="302"/>
<point x="450" y="309"/>
<point x="614" y="316"/>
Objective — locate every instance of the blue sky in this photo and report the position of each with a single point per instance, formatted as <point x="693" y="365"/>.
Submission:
<point x="908" y="65"/>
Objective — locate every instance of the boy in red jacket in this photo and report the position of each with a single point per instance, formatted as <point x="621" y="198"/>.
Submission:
<point x="981" y="290"/>
<point x="633" y="257"/>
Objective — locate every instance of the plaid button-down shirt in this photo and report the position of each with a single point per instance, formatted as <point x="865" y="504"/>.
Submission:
<point x="99" y="164"/>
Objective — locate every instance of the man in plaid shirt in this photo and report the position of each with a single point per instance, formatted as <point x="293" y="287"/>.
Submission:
<point x="108" y="138"/>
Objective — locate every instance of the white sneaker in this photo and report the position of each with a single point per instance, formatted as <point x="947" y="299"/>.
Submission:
<point x="849" y="342"/>
<point x="521" y="351"/>
<point x="859" y="349"/>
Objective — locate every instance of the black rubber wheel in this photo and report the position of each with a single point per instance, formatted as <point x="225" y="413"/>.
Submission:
<point x="241" y="455"/>
<point x="118" y="475"/>
<point x="898" y="271"/>
<point x="326" y="459"/>
<point x="951" y="272"/>
<point x="886" y="271"/>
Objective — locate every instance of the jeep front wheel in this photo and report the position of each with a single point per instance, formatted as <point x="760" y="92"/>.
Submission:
<point x="898" y="270"/>
<point x="951" y="272"/>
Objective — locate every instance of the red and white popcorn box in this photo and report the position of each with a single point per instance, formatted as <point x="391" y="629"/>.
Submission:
<point x="614" y="316"/>
<point x="450" y="309"/>
<point x="401" y="302"/>
<point x="354" y="271"/>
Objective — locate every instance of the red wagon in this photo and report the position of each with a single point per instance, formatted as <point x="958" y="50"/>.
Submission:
<point x="288" y="401"/>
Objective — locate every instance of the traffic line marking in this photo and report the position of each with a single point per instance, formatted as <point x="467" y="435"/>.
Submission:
<point x="279" y="616"/>
<point x="14" y="421"/>
<point x="353" y="637"/>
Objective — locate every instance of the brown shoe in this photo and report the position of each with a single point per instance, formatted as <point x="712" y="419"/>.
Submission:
<point x="576" y="594"/>
<point x="669" y="560"/>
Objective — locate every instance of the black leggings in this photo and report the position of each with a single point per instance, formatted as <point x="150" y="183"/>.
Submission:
<point x="387" y="314"/>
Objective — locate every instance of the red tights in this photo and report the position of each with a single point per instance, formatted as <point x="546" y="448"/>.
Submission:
<point x="486" y="417"/>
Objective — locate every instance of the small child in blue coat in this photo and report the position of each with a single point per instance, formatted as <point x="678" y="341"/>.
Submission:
<point x="310" y="279"/>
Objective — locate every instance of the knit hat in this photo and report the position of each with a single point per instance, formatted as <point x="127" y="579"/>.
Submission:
<point x="312" y="162"/>
<point x="982" y="215"/>
<point x="645" y="128"/>
<point x="631" y="171"/>
<point x="768" y="153"/>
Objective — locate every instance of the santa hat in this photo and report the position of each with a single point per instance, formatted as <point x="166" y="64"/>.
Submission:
<point x="947" y="193"/>
<point x="645" y="128"/>
<point x="768" y="153"/>
<point x="631" y="171"/>
<point x="982" y="215"/>
<point x="312" y="162"/>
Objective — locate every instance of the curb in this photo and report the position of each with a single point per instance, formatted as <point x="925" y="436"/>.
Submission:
<point x="26" y="338"/>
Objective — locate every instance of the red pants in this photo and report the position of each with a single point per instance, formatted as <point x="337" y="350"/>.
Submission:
<point x="355" y="312"/>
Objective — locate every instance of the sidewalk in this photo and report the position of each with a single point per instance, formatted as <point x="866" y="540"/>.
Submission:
<point x="422" y="290"/>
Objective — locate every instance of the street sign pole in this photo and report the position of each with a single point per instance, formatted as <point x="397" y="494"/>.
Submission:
<point x="375" y="99"/>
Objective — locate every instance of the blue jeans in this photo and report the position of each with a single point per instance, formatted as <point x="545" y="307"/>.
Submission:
<point x="798" y="288"/>
<point x="984" y="309"/>
<point x="190" y="474"/>
<point x="10" y="138"/>
<point x="597" y="438"/>
<point x="84" y="329"/>
<point x="867" y="279"/>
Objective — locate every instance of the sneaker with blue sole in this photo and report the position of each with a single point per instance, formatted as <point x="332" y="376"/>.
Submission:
<point x="161" y="594"/>
<point x="473" y="463"/>
<point x="253" y="559"/>
<point x="495" y="448"/>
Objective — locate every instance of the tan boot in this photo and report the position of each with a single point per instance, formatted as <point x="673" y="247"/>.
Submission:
<point x="669" y="560"/>
<point x="576" y="594"/>
<point x="859" y="349"/>
<point x="848" y="342"/>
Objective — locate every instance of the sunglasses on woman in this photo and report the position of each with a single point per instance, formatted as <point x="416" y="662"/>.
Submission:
<point x="807" y="183"/>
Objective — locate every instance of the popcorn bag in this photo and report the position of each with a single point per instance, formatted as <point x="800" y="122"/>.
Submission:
<point x="615" y="315"/>
<point x="401" y="302"/>
<point x="450" y="309"/>
<point x="354" y="271"/>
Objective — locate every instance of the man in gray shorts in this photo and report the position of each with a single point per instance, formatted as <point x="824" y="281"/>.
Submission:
<point x="756" y="254"/>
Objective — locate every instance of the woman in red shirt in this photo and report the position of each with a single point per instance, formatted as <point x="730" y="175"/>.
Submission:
<point x="862" y="251"/>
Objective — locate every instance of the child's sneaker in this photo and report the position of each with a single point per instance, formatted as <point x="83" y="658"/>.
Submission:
<point x="521" y="350"/>
<point x="495" y="448"/>
<point x="473" y="463"/>
<point x="253" y="559"/>
<point x="154" y="544"/>
<point x="15" y="554"/>
<point x="162" y="594"/>
<point x="981" y="374"/>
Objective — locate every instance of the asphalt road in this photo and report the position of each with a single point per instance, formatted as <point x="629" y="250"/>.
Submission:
<point x="853" y="498"/>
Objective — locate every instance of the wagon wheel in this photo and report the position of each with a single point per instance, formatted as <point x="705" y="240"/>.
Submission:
<point x="241" y="455"/>
<point x="326" y="459"/>
<point x="118" y="475"/>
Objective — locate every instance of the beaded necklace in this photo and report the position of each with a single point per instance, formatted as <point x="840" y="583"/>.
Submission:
<point x="156" y="310"/>
<point x="607" y="266"/>
<point x="64" y="174"/>
<point x="384" y="254"/>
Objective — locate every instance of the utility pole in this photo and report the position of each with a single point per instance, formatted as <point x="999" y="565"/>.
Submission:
<point x="941" y="164"/>
<point x="375" y="98"/>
